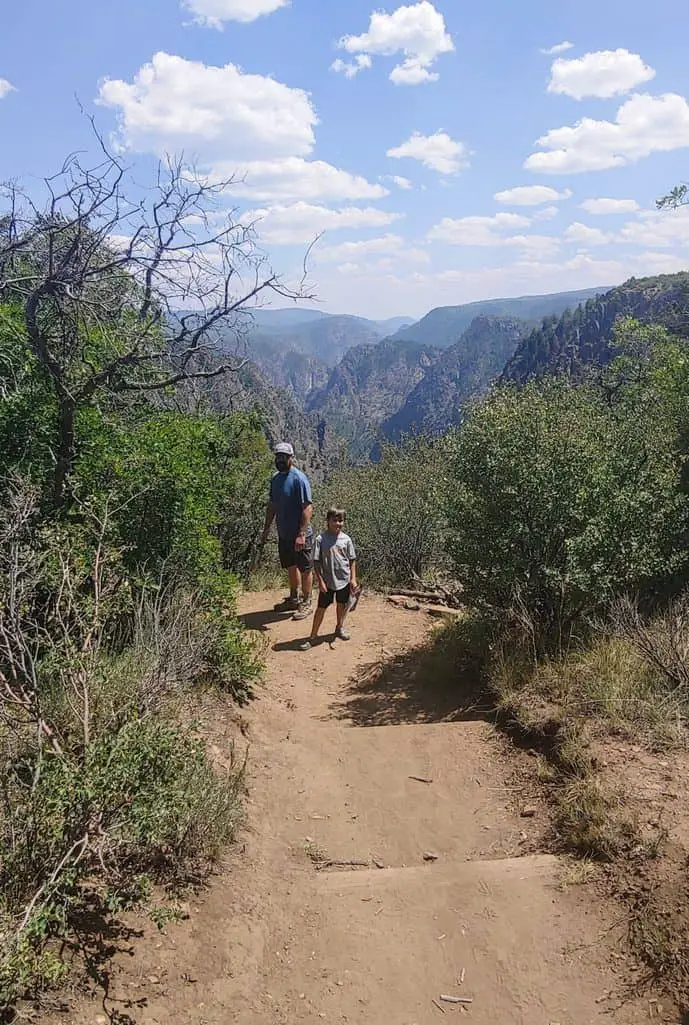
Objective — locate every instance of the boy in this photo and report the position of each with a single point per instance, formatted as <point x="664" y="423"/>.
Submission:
<point x="335" y="565"/>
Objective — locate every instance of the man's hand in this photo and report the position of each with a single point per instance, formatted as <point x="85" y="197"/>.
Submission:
<point x="300" y="542"/>
<point x="322" y="586"/>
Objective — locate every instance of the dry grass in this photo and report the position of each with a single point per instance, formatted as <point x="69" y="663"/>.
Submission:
<point x="609" y="685"/>
<point x="592" y="822"/>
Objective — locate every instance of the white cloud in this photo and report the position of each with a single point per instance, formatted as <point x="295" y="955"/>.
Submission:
<point x="657" y="229"/>
<point x="174" y="104"/>
<point x="477" y="231"/>
<point x="5" y="88"/>
<point x="296" y="178"/>
<point x="213" y="13"/>
<point x="353" y="252"/>
<point x="552" y="51"/>
<point x="582" y="234"/>
<point x="610" y="206"/>
<point x="417" y="31"/>
<point x="531" y="195"/>
<point x="300" y="223"/>
<point x="352" y="69"/>
<point x="349" y="251"/>
<point x="437" y="151"/>
<point x="661" y="263"/>
<point x="644" y="124"/>
<point x="400" y="182"/>
<point x="546" y="213"/>
<point x="604" y="73"/>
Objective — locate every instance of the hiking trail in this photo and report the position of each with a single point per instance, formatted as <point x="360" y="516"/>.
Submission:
<point x="282" y="936"/>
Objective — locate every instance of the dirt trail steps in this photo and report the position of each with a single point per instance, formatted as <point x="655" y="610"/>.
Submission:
<point x="280" y="940"/>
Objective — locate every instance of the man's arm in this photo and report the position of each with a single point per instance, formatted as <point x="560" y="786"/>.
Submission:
<point x="306" y="512"/>
<point x="271" y="512"/>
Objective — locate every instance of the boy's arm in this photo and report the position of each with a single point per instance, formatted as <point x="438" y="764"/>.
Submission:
<point x="322" y="586"/>
<point x="352" y="567"/>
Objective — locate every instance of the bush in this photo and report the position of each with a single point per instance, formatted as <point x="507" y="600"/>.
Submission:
<point x="99" y="786"/>
<point x="394" y="511"/>
<point x="558" y="501"/>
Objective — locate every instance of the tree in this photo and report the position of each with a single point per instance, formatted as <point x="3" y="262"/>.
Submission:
<point x="115" y="295"/>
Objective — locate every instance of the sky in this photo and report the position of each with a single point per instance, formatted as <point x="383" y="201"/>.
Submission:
<point x="442" y="152"/>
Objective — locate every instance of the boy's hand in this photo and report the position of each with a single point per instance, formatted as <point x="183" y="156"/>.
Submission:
<point x="322" y="586"/>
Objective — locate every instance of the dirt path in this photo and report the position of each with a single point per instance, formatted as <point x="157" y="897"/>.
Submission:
<point x="278" y="940"/>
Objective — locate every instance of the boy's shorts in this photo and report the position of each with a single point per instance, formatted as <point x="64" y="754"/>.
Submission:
<point x="326" y="598"/>
<point x="289" y="556"/>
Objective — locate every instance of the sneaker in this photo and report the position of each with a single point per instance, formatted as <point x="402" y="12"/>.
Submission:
<point x="343" y="634"/>
<point x="288" y="604"/>
<point x="306" y="646"/>
<point x="304" y="610"/>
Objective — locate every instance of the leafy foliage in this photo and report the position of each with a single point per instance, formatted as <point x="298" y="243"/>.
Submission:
<point x="394" y="511"/>
<point x="559" y="502"/>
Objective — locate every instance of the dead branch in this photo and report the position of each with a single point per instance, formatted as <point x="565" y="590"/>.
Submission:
<point x="123" y="295"/>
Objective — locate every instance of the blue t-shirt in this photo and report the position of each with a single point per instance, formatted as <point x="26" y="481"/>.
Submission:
<point x="290" y="492"/>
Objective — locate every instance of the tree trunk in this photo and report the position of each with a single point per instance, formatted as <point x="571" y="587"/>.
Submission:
<point x="65" y="452"/>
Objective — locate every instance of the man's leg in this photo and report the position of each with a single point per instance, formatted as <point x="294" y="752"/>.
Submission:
<point x="307" y="585"/>
<point x="304" y="561"/>
<point x="294" y="577"/>
<point x="288" y="562"/>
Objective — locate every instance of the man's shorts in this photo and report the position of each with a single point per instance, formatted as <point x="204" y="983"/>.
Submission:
<point x="326" y="598"/>
<point x="289" y="556"/>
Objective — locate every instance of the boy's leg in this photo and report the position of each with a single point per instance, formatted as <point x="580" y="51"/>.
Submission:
<point x="342" y="608"/>
<point x="318" y="618"/>
<point x="324" y="601"/>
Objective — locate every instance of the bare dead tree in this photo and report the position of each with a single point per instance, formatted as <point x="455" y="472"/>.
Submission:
<point x="124" y="290"/>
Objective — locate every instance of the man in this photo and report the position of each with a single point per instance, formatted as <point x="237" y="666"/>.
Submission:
<point x="290" y="502"/>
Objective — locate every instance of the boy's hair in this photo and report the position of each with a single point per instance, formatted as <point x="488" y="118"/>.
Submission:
<point x="333" y="513"/>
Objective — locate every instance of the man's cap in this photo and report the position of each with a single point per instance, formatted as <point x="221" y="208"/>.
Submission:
<point x="284" y="449"/>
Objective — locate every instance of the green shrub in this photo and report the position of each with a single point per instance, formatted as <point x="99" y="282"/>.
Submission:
<point x="394" y="511"/>
<point x="558" y="501"/>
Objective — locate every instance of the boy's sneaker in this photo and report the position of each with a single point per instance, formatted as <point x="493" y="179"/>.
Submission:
<point x="343" y="634"/>
<point x="304" y="610"/>
<point x="305" y="646"/>
<point x="288" y="604"/>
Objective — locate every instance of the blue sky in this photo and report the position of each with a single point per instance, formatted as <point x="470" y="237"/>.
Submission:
<point x="401" y="132"/>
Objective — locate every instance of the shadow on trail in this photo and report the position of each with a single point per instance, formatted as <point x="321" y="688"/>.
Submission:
<point x="293" y="645"/>
<point x="262" y="619"/>
<point x="440" y="681"/>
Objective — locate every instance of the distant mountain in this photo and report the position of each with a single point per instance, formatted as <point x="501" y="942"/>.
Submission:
<point x="283" y="419"/>
<point x="298" y="372"/>
<point x="464" y="371"/>
<point x="446" y="324"/>
<point x="269" y="321"/>
<point x="329" y="338"/>
<point x="388" y="327"/>
<point x="369" y="384"/>
<point x="581" y="337"/>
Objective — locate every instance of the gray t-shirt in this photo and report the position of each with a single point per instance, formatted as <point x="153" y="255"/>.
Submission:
<point x="334" y="553"/>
